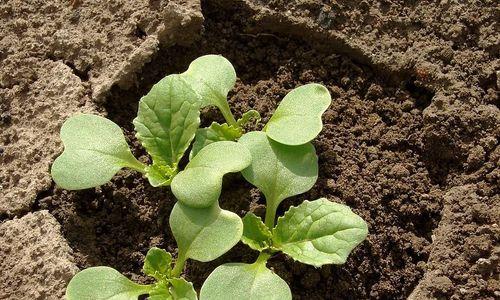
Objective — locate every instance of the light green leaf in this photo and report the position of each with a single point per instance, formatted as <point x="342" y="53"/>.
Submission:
<point x="160" y="175"/>
<point x="167" y="121"/>
<point x="297" y="120"/>
<point x="204" y="234"/>
<point x="319" y="232"/>
<point x="160" y="291"/>
<point x="278" y="170"/>
<point x="247" y="117"/>
<point x="200" y="184"/>
<point x="244" y="282"/>
<point x="103" y="283"/>
<point x="182" y="290"/>
<point x="94" y="151"/>
<point x="212" y="77"/>
<point x="157" y="263"/>
<point x="214" y="133"/>
<point x="255" y="233"/>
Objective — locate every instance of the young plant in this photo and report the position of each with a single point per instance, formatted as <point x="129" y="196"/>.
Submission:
<point x="284" y="164"/>
<point x="280" y="161"/>
<point x="167" y="121"/>
<point x="166" y="124"/>
<point x="203" y="233"/>
<point x="108" y="283"/>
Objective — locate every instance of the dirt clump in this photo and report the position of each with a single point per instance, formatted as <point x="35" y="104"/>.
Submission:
<point x="35" y="259"/>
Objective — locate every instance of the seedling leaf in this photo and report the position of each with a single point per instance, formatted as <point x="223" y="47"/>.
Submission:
<point x="103" y="283"/>
<point x="255" y="233"/>
<point x="160" y="291"/>
<point x="319" y="232"/>
<point x="214" y="133"/>
<point x="204" y="234"/>
<point x="182" y="290"/>
<point x="244" y="282"/>
<point x="247" y="117"/>
<point x="94" y="151"/>
<point x="278" y="170"/>
<point x="200" y="184"/>
<point x="297" y="120"/>
<point x="212" y="77"/>
<point x="166" y="122"/>
<point x="160" y="175"/>
<point x="157" y="263"/>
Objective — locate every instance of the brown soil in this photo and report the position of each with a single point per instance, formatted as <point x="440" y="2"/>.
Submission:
<point x="410" y="143"/>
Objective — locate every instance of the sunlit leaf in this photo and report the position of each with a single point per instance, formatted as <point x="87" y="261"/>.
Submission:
<point x="244" y="282"/>
<point x="94" y="151"/>
<point x="200" y="184"/>
<point x="297" y="120"/>
<point x="204" y="234"/>
<point x="103" y="283"/>
<point x="278" y="170"/>
<point x="319" y="232"/>
<point x="166" y="123"/>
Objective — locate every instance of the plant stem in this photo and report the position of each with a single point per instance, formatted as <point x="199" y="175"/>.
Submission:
<point x="179" y="266"/>
<point x="270" y="216"/>
<point x="262" y="259"/>
<point x="226" y="112"/>
<point x="137" y="166"/>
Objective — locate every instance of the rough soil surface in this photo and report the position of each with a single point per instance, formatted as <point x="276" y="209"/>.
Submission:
<point x="35" y="259"/>
<point x="57" y="59"/>
<point x="410" y="141"/>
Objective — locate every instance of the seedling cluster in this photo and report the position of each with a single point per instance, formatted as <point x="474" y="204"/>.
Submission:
<point x="279" y="160"/>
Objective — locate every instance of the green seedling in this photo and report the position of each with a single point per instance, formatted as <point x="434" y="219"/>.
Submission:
<point x="285" y="164"/>
<point x="108" y="283"/>
<point x="167" y="121"/>
<point x="279" y="160"/>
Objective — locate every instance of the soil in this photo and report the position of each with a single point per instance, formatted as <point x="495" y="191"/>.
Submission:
<point x="410" y="143"/>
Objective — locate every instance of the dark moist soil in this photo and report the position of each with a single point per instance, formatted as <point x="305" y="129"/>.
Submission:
<point x="370" y="156"/>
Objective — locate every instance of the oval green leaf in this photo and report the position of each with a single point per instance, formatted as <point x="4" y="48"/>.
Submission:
<point x="278" y="170"/>
<point x="212" y="77"/>
<point x="103" y="283"/>
<point x="166" y="123"/>
<point x="204" y="234"/>
<point x="319" y="232"/>
<point x="297" y="120"/>
<point x="244" y="282"/>
<point x="95" y="149"/>
<point x="200" y="184"/>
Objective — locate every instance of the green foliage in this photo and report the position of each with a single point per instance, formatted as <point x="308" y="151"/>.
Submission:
<point x="107" y="283"/>
<point x="158" y="263"/>
<point x="297" y="120"/>
<point x="94" y="151"/>
<point x="244" y="282"/>
<point x="278" y="170"/>
<point x="166" y="123"/>
<point x="212" y="77"/>
<point x="319" y="232"/>
<point x="103" y="283"/>
<point x="200" y="184"/>
<point x="214" y="133"/>
<point x="180" y="289"/>
<point x="204" y="234"/>
<point x="280" y="161"/>
<point x="255" y="233"/>
<point x="247" y="117"/>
